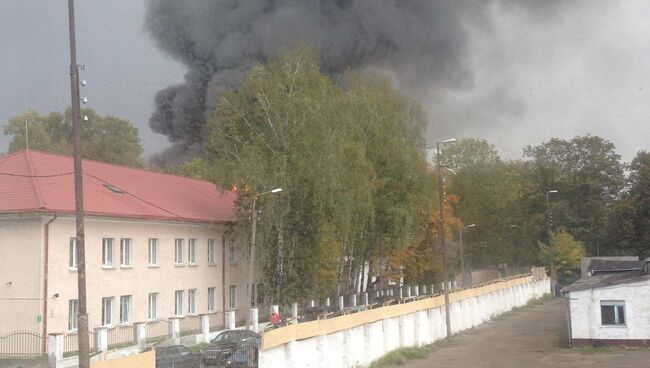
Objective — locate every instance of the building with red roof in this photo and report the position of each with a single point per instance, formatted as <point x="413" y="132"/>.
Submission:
<point x="157" y="245"/>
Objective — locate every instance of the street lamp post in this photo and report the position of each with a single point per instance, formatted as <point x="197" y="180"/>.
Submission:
<point x="462" y="251"/>
<point x="441" y="233"/>
<point x="550" y="236"/>
<point x="251" y="261"/>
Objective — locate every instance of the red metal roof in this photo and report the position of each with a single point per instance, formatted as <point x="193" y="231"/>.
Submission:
<point x="38" y="181"/>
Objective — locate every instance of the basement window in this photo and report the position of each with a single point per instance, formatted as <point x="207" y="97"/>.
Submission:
<point x="612" y="313"/>
<point x="113" y="188"/>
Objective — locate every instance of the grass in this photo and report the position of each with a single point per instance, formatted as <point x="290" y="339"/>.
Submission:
<point x="401" y="356"/>
<point x="593" y="349"/>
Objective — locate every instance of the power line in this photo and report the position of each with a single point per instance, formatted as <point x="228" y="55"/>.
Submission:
<point x="36" y="176"/>
<point x="146" y="201"/>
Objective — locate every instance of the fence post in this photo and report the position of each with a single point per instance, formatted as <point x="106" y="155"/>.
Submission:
<point x="417" y="290"/>
<point x="205" y="327"/>
<point x="353" y="300"/>
<point x="55" y="350"/>
<point x="408" y="291"/>
<point x="294" y="313"/>
<point x="365" y="298"/>
<point x="140" y="333"/>
<point x="327" y="302"/>
<point x="424" y="290"/>
<point x="230" y="320"/>
<point x="341" y="302"/>
<point x="254" y="317"/>
<point x="312" y="304"/>
<point x="102" y="339"/>
<point x="175" y="330"/>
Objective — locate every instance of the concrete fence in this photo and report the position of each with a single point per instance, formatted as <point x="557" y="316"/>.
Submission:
<point x="357" y="339"/>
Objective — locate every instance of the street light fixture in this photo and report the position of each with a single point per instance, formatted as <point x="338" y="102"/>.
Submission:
<point x="251" y="261"/>
<point x="462" y="252"/>
<point x="441" y="232"/>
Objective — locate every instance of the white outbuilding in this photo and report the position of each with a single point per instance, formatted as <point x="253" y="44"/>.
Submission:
<point x="609" y="305"/>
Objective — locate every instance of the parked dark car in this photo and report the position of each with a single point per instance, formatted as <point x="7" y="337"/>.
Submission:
<point x="234" y="348"/>
<point x="176" y="356"/>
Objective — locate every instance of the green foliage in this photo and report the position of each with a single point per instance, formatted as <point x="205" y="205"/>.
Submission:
<point x="355" y="182"/>
<point x="588" y="175"/>
<point x="401" y="356"/>
<point x="103" y="138"/>
<point x="562" y="255"/>
<point x="492" y="194"/>
<point x="629" y="230"/>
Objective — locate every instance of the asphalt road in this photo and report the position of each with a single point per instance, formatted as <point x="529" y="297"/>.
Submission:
<point x="529" y="337"/>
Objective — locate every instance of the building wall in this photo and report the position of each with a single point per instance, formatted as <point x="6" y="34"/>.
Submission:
<point x="20" y="273"/>
<point x="586" y="318"/>
<point x="140" y="279"/>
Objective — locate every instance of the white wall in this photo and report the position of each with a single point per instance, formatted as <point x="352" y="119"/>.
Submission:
<point x="586" y="319"/>
<point x="361" y="345"/>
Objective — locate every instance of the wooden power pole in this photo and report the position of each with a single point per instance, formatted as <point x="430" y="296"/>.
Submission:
<point x="82" y="317"/>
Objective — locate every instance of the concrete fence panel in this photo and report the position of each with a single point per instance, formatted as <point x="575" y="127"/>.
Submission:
<point x="356" y="339"/>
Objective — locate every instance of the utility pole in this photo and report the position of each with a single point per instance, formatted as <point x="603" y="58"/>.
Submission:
<point x="550" y="238"/>
<point x="250" y="295"/>
<point x="462" y="251"/>
<point x="26" y="134"/>
<point x="441" y="233"/>
<point x="82" y="317"/>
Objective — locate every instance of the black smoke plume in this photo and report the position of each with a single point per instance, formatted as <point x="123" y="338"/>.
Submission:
<point x="416" y="41"/>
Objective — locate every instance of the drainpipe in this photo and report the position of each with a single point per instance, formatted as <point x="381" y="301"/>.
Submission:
<point x="45" y="270"/>
<point x="223" y="274"/>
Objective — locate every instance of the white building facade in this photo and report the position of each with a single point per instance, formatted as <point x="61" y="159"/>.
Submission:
<point x="617" y="313"/>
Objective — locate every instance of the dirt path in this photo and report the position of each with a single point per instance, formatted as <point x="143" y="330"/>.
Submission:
<point x="531" y="337"/>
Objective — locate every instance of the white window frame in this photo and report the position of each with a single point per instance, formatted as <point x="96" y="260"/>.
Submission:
<point x="126" y="302"/>
<point x="232" y="296"/>
<point x="616" y="304"/>
<point x="108" y="250"/>
<point x="153" y="306"/>
<point x="73" y="311"/>
<point x="153" y="252"/>
<point x="107" y="311"/>
<point x="72" y="255"/>
<point x="191" y="301"/>
<point x="179" y="296"/>
<point x="232" y="251"/>
<point x="126" y="252"/>
<point x="211" y="250"/>
<point x="178" y="251"/>
<point x="191" y="251"/>
<point x="212" y="293"/>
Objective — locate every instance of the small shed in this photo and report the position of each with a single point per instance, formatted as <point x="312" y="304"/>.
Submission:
<point x="609" y="305"/>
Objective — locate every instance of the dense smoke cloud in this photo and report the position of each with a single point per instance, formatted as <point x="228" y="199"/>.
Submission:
<point x="422" y="43"/>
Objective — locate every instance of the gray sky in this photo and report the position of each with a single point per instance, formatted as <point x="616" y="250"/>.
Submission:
<point x="584" y="68"/>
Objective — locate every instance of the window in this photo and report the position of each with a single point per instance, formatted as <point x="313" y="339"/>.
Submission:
<point x="179" y="251"/>
<point x="107" y="311"/>
<point x="232" y="301"/>
<point x="191" y="251"/>
<point x="107" y="252"/>
<point x="153" y="252"/>
<point x="125" y="309"/>
<point x="211" y="251"/>
<point x="153" y="306"/>
<point x="178" y="306"/>
<point x="231" y="250"/>
<point x="72" y="258"/>
<point x="191" y="301"/>
<point x="73" y="311"/>
<point x="125" y="252"/>
<point x="612" y="313"/>
<point x="211" y="298"/>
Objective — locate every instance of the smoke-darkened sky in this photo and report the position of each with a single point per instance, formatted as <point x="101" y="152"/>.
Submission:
<point x="511" y="73"/>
